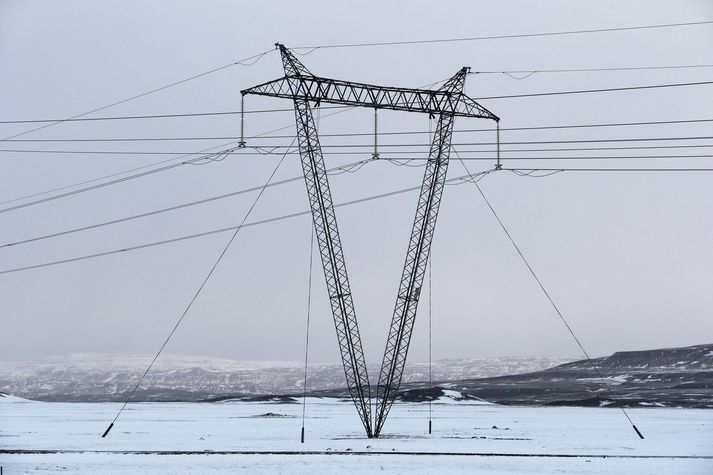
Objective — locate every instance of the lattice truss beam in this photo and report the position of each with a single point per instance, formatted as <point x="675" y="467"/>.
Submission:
<point x="447" y="102"/>
<point x="335" y="91"/>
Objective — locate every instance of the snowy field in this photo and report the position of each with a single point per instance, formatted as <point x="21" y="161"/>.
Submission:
<point x="239" y="437"/>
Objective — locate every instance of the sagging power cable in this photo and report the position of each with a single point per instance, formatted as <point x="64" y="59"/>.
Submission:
<point x="196" y="294"/>
<point x="450" y="181"/>
<point x="363" y="134"/>
<point x="262" y="148"/>
<point x="499" y="37"/>
<point x="331" y="171"/>
<point x="112" y="175"/>
<point x="249" y="61"/>
<point x="120" y="179"/>
<point x="219" y="113"/>
<point x="549" y="298"/>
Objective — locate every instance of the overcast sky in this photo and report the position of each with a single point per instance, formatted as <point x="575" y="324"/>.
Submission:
<point x="627" y="256"/>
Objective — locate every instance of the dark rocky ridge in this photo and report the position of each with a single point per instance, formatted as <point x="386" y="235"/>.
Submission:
<point x="674" y="377"/>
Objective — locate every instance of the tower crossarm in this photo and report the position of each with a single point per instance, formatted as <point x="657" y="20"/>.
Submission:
<point x="334" y="91"/>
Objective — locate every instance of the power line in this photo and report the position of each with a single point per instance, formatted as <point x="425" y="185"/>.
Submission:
<point x="110" y="182"/>
<point x="111" y="175"/>
<point x="576" y="158"/>
<point x="144" y="167"/>
<point x="110" y="152"/>
<point x="221" y="230"/>
<point x="451" y="181"/>
<point x="636" y="170"/>
<point x="242" y="62"/>
<point x="499" y="37"/>
<point x="260" y="111"/>
<point x="263" y="149"/>
<point x="152" y="116"/>
<point x="384" y="156"/>
<point x="196" y="294"/>
<point x="530" y="72"/>
<point x="298" y="178"/>
<point x="590" y="91"/>
<point x="343" y="110"/>
<point x="369" y="134"/>
<point x="410" y="156"/>
<point x="171" y="208"/>
<point x="122" y="173"/>
<point x="413" y="157"/>
<point x="589" y="149"/>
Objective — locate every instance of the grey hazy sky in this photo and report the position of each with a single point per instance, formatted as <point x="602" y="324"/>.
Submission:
<point x="627" y="256"/>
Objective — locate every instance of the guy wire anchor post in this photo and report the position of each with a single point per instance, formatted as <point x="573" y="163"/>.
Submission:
<point x="241" y="143"/>
<point x="498" y="165"/>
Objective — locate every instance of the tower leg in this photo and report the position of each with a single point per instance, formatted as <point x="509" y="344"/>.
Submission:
<point x="419" y="247"/>
<point x="335" y="271"/>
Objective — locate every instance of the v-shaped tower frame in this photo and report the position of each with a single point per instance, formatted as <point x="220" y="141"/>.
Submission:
<point x="445" y="103"/>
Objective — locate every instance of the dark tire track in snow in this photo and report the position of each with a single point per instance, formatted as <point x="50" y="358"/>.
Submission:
<point x="345" y="452"/>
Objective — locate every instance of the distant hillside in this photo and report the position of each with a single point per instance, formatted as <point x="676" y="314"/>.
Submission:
<point x="690" y="358"/>
<point x="98" y="377"/>
<point x="672" y="377"/>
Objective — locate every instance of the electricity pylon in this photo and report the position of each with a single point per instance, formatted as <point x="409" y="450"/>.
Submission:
<point x="446" y="103"/>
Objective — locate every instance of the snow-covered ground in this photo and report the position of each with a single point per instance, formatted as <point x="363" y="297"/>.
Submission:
<point x="244" y="437"/>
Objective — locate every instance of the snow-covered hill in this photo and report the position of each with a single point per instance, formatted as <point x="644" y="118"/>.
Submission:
<point x="671" y="377"/>
<point x="99" y="377"/>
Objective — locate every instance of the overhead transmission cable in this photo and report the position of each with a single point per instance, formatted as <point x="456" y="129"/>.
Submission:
<point x="455" y="180"/>
<point x="100" y="178"/>
<point x="499" y="37"/>
<point x="149" y="116"/>
<point x="196" y="294"/>
<point x="263" y="149"/>
<point x="249" y="61"/>
<point x="412" y="157"/>
<point x="594" y="91"/>
<point x="634" y="170"/>
<point x="114" y="181"/>
<point x="242" y="112"/>
<point x="450" y="181"/>
<point x="530" y="72"/>
<point x="127" y="171"/>
<point x="473" y="177"/>
<point x="93" y="180"/>
<point x="172" y="208"/>
<point x="369" y="134"/>
<point x="549" y="298"/>
<point x="103" y="177"/>
<point x="347" y="168"/>
<point x="258" y="111"/>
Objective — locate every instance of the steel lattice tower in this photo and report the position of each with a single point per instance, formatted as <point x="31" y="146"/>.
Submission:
<point x="446" y="103"/>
